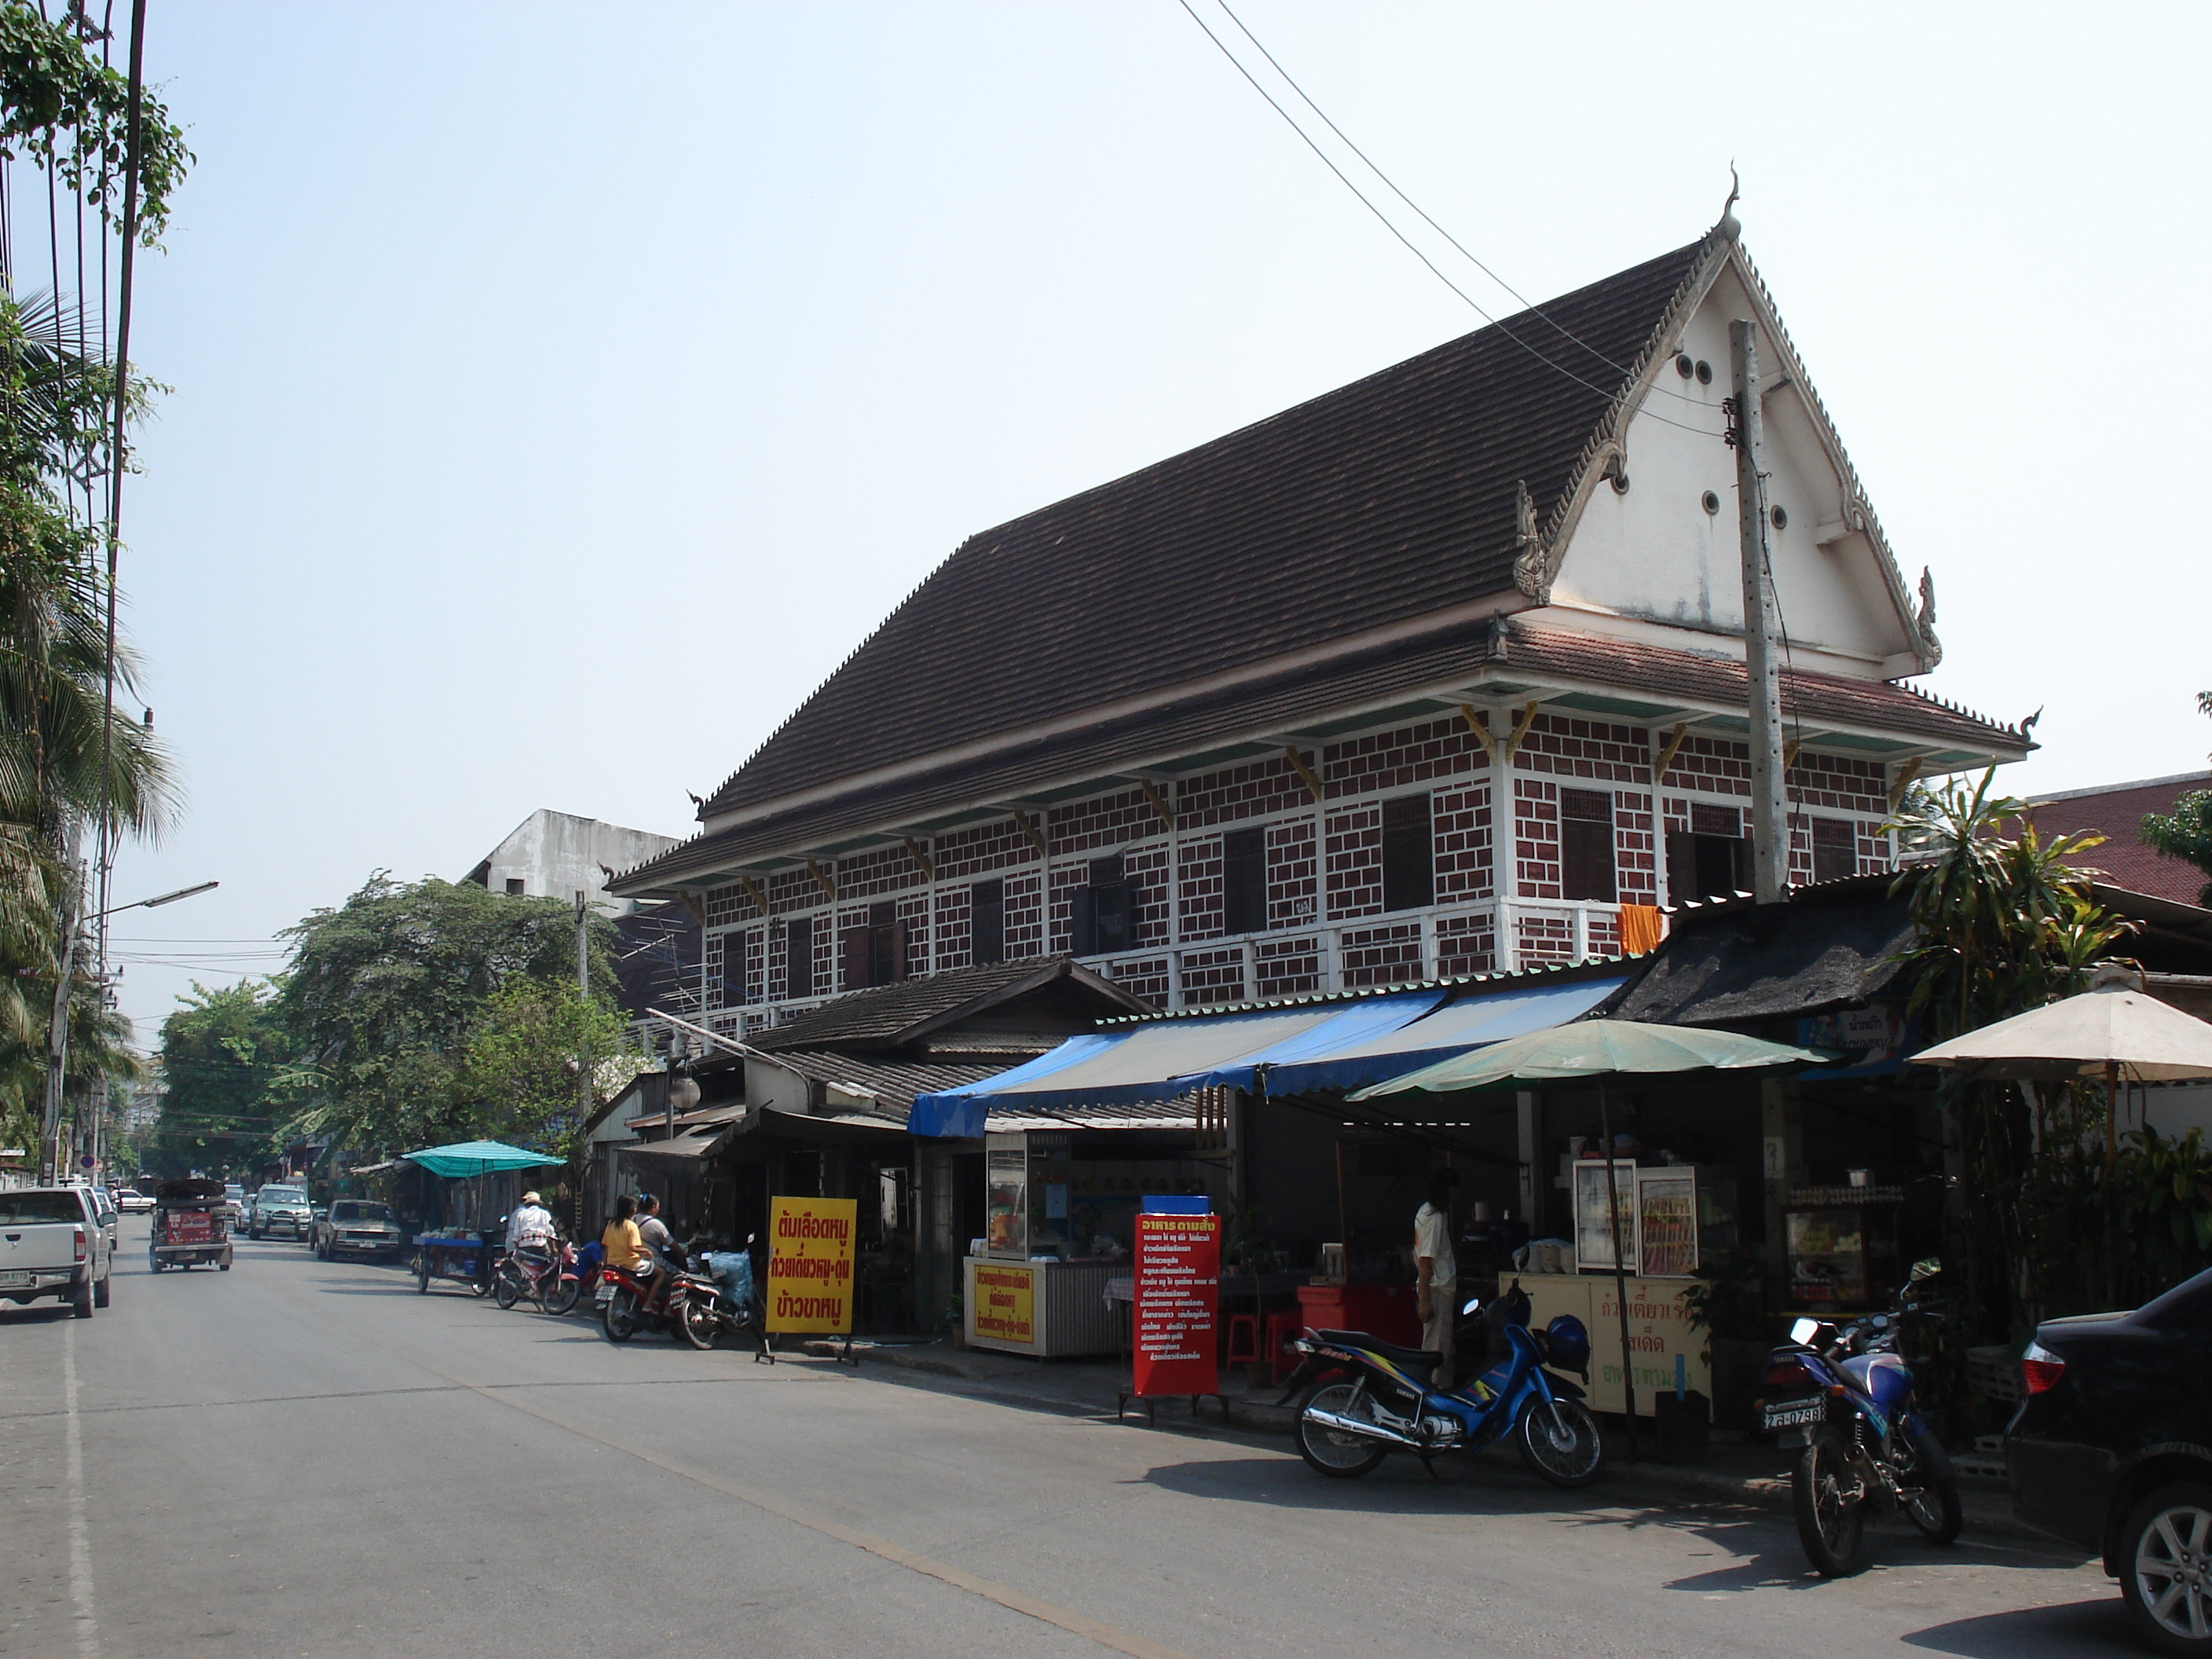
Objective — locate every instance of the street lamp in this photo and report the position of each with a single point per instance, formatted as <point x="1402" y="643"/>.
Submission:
<point x="58" y="1029"/>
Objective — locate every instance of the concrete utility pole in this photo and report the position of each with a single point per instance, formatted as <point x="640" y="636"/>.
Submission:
<point x="583" y="945"/>
<point x="1762" y="625"/>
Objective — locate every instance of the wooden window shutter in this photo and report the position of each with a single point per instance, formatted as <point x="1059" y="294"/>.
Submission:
<point x="799" y="957"/>
<point x="1586" y="849"/>
<point x="855" y="952"/>
<point x="1682" y="866"/>
<point x="986" y="921"/>
<point x="1243" y="881"/>
<point x="902" y="947"/>
<point x="1082" y="922"/>
<point x="1835" y="849"/>
<point x="1409" y="858"/>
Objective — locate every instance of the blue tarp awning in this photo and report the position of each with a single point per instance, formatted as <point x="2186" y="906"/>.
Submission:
<point x="1472" y="1022"/>
<point x="1350" y="1026"/>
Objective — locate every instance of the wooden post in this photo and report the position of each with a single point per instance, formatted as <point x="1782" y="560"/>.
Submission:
<point x="1620" y="1265"/>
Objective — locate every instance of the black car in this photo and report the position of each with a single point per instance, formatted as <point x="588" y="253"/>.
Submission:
<point x="2112" y="1450"/>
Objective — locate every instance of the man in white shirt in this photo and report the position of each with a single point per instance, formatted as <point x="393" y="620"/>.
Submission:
<point x="1436" y="1273"/>
<point x="530" y="1225"/>
<point x="658" y="1242"/>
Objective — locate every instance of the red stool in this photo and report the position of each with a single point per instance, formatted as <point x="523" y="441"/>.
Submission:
<point x="1284" y="1328"/>
<point x="1245" y="1352"/>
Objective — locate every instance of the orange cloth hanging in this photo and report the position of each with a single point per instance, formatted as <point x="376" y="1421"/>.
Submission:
<point x="1641" y="929"/>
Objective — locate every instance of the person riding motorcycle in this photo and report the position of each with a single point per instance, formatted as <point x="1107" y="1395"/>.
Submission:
<point x="659" y="1245"/>
<point x="531" y="1226"/>
<point x="622" y="1244"/>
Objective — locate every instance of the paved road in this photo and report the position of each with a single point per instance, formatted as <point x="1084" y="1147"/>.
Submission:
<point x="295" y="1458"/>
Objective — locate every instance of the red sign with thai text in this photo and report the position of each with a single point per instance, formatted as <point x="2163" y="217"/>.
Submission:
<point x="1175" y="1316"/>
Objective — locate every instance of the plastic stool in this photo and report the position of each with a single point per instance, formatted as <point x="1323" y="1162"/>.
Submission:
<point x="1246" y="1351"/>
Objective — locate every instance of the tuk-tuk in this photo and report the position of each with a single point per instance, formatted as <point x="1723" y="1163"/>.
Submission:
<point x="189" y="1224"/>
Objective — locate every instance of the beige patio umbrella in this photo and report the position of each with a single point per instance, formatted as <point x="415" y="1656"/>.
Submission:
<point x="2113" y="1031"/>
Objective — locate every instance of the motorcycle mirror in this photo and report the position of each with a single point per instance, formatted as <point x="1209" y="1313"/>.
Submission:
<point x="1473" y="1305"/>
<point x="1928" y="1268"/>
<point x="1804" y="1330"/>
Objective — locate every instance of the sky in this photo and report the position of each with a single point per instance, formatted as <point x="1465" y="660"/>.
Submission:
<point x="560" y="392"/>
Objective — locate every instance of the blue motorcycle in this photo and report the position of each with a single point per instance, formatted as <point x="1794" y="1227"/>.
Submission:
<point x="1369" y="1398"/>
<point x="1843" y="1394"/>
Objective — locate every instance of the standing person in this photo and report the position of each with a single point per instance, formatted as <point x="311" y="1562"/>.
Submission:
<point x="1436" y="1273"/>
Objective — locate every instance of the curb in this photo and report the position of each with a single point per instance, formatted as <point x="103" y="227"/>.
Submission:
<point x="1986" y="1514"/>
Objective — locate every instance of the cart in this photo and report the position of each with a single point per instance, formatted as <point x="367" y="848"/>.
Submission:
<point x="462" y="1263"/>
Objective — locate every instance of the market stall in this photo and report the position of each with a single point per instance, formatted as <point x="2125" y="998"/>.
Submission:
<point x="465" y="1254"/>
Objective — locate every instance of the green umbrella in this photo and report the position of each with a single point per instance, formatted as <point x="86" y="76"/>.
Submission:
<point x="466" y="1158"/>
<point x="1578" y="1053"/>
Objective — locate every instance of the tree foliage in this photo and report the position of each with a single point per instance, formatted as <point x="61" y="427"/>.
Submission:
<point x="2002" y="925"/>
<point x="533" y="1065"/>
<point x="227" y="1062"/>
<point x="386" y="996"/>
<point x="2185" y="833"/>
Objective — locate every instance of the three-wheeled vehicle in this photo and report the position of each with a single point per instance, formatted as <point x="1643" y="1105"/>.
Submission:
<point x="190" y="1217"/>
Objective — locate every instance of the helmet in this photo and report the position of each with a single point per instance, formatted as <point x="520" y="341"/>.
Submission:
<point x="1567" y="1342"/>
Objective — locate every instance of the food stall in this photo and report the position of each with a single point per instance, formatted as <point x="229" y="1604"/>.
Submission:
<point x="1059" y="1223"/>
<point x="1674" y="1218"/>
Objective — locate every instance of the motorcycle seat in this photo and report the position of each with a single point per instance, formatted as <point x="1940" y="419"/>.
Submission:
<point x="1426" y="1359"/>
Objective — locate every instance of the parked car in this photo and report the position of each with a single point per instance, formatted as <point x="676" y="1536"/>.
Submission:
<point x="356" y="1226"/>
<point x="278" y="1209"/>
<point x="51" y="1243"/>
<point x="103" y="1205"/>
<point x="2112" y="1450"/>
<point x="131" y="1201"/>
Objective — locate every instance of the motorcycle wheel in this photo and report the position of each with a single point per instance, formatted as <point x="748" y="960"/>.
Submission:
<point x="505" y="1289"/>
<point x="619" y="1320"/>
<point x="697" y="1321"/>
<point x="1341" y="1456"/>
<point x="1563" y="1445"/>
<point x="1831" y="1525"/>
<point x="562" y="1297"/>
<point x="1934" y="1514"/>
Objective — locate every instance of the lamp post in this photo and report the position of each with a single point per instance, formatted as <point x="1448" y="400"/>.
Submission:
<point x="49" y="1157"/>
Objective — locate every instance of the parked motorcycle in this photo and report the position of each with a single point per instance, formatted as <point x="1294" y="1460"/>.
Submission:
<point x="1369" y="1398"/>
<point x="1843" y="1395"/>
<point x="720" y="1301"/>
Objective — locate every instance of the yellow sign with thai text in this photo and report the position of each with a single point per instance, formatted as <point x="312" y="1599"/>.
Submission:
<point x="1006" y="1303"/>
<point x="810" y="1264"/>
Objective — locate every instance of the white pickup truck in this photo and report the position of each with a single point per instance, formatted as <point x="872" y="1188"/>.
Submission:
<point x="53" y="1243"/>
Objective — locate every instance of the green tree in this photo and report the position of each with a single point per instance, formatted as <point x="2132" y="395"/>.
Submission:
<point x="2186" y="832"/>
<point x="227" y="1060"/>
<point x="533" y="1063"/>
<point x="2002" y="925"/>
<point x="386" y="994"/>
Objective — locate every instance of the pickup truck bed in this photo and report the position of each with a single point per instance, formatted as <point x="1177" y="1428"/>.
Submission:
<point x="51" y="1243"/>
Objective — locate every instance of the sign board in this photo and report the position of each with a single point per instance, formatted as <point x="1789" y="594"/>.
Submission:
<point x="1006" y="1303"/>
<point x="1659" y="1330"/>
<point x="1175" y="1316"/>
<point x="810" y="1265"/>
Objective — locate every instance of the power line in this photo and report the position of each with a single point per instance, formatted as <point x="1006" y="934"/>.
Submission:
<point x="1533" y="307"/>
<point x="1388" y="224"/>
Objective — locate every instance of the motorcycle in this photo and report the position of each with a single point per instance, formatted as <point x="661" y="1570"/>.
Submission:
<point x="1369" y="1398"/>
<point x="530" y="1270"/>
<point x="578" y="1268"/>
<point x="625" y="1308"/>
<point x="1843" y="1395"/>
<point x="720" y="1301"/>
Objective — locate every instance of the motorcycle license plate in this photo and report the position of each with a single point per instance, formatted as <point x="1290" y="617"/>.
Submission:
<point x="604" y="1293"/>
<point x="1796" y="1414"/>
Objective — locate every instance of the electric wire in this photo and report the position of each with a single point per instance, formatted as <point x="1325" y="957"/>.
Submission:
<point x="1411" y="248"/>
<point x="1536" y="309"/>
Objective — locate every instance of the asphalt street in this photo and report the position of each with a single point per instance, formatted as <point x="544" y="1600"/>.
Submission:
<point x="297" y="1458"/>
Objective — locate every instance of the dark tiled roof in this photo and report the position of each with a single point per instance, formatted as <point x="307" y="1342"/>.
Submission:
<point x="2117" y="812"/>
<point x="1369" y="679"/>
<point x="893" y="1014"/>
<point x="893" y="1083"/>
<point x="1266" y="541"/>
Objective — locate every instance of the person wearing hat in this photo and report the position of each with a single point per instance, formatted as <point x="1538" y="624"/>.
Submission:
<point x="1436" y="1273"/>
<point x="531" y="1226"/>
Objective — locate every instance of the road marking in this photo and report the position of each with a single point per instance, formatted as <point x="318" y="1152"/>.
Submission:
<point x="1075" y="1624"/>
<point x="80" y="1545"/>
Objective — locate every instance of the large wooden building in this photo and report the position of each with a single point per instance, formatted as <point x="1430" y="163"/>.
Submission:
<point x="1439" y="673"/>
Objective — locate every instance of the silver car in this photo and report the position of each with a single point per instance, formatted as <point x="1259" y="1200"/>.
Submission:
<point x="356" y="1226"/>
<point x="279" y="1209"/>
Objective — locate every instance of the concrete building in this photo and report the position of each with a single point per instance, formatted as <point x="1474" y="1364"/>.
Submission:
<point x="557" y="855"/>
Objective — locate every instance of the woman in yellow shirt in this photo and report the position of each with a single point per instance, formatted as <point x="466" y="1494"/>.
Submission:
<point x="624" y="1246"/>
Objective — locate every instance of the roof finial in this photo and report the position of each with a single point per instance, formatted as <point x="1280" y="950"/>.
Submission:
<point x="1730" y="226"/>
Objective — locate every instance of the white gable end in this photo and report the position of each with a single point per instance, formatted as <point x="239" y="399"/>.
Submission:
<point x="1654" y="554"/>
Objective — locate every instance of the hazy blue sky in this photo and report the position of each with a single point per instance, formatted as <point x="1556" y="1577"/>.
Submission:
<point x="562" y="391"/>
